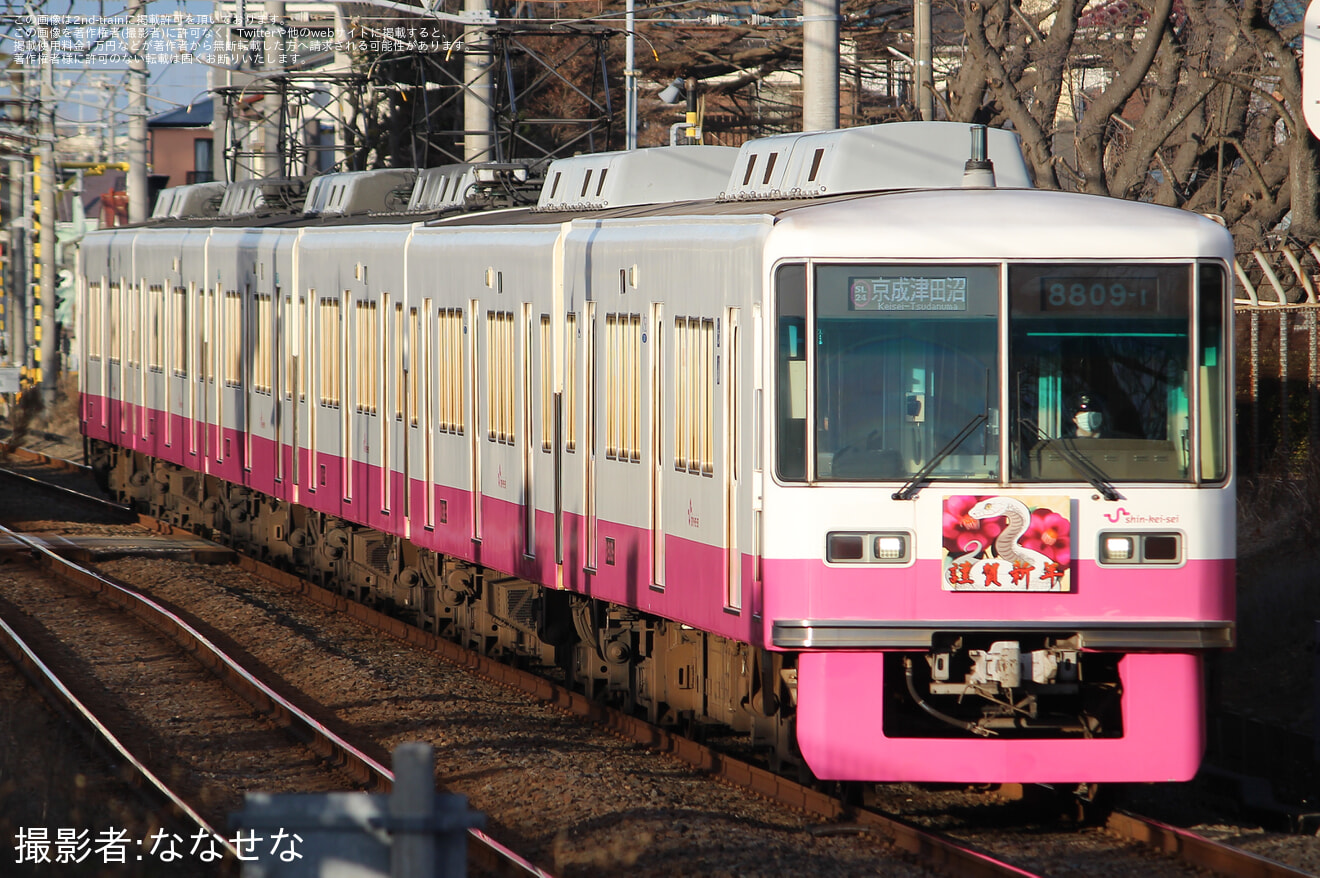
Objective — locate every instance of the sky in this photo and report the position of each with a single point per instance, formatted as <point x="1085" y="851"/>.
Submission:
<point x="90" y="66"/>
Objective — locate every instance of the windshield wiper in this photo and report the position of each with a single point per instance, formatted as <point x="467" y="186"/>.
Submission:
<point x="1082" y="465"/>
<point x="912" y="485"/>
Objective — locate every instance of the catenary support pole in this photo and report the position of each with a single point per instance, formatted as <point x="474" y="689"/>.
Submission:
<point x="820" y="65"/>
<point x="138" y="208"/>
<point x="478" y="88"/>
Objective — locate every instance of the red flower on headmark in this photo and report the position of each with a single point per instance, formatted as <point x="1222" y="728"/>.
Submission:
<point x="1050" y="534"/>
<point x="962" y="533"/>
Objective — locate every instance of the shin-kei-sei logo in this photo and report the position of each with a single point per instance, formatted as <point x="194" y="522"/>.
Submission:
<point x="1122" y="515"/>
<point x="994" y="543"/>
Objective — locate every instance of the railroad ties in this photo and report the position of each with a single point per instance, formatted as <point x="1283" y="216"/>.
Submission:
<point x="86" y="548"/>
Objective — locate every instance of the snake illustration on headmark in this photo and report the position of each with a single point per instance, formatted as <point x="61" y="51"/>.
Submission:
<point x="1031" y="550"/>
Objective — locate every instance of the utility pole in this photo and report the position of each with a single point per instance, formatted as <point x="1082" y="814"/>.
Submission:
<point x="17" y="251"/>
<point x="16" y="254"/>
<point x="45" y="366"/>
<point x="273" y="164"/>
<point x="137" y="112"/>
<point x="820" y="65"/>
<point x="478" y="89"/>
<point x="630" y="77"/>
<point x="921" y="38"/>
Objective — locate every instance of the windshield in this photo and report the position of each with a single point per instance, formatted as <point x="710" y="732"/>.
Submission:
<point x="1098" y="368"/>
<point x="893" y="373"/>
<point x="905" y="362"/>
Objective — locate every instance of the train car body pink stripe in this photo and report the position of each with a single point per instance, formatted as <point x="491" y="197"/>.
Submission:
<point x="808" y="589"/>
<point x="840" y="722"/>
<point x="695" y="571"/>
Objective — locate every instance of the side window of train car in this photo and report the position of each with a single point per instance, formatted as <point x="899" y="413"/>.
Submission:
<point x="95" y="320"/>
<point x="415" y="370"/>
<point x="133" y="334"/>
<point x="449" y="363"/>
<point x="113" y="322"/>
<point x="623" y="335"/>
<point x="570" y="382"/>
<point x="547" y="386"/>
<point x="328" y="352"/>
<point x="694" y="396"/>
<point x="179" y="324"/>
<point x="401" y="376"/>
<point x="500" y="376"/>
<point x="292" y="320"/>
<point x="791" y="373"/>
<point x="365" y="333"/>
<point x="263" y="324"/>
<point x="233" y="338"/>
<point x="155" y="331"/>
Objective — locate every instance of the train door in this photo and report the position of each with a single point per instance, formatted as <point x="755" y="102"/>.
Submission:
<point x="474" y="424"/>
<point x="314" y="382"/>
<point x="191" y="365"/>
<point x="223" y="333"/>
<point x="276" y="333"/>
<point x="115" y="343"/>
<point x="565" y="424"/>
<point x="250" y="309"/>
<point x="210" y="395"/>
<point x="294" y="315"/>
<point x="106" y="309"/>
<point x="138" y="361"/>
<point x="422" y="338"/>
<point x="404" y="395"/>
<point x="279" y="381"/>
<point x="388" y="345"/>
<point x="348" y="396"/>
<point x="657" y="446"/>
<point x="589" y="455"/>
<point x="529" y="437"/>
<point x="202" y="406"/>
<point x="163" y="343"/>
<point x="732" y="461"/>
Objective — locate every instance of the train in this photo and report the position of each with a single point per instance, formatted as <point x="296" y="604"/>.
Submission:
<point x="851" y="445"/>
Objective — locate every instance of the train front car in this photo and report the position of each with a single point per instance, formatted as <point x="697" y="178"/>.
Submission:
<point x="1000" y="525"/>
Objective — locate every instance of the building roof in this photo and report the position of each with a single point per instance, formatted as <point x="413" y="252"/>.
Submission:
<point x="196" y="115"/>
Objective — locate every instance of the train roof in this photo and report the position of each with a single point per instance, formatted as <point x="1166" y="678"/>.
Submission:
<point x="921" y="217"/>
<point x="807" y="165"/>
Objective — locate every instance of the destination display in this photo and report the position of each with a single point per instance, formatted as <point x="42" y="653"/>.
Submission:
<point x="905" y="293"/>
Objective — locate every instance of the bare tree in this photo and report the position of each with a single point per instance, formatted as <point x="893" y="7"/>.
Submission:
<point x="1189" y="104"/>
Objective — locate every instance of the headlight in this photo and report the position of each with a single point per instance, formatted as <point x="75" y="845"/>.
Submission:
<point x="1118" y="549"/>
<point x="868" y="548"/>
<point x="1141" y="548"/>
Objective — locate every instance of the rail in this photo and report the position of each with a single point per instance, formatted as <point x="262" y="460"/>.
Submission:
<point x="322" y="740"/>
<point x="930" y="848"/>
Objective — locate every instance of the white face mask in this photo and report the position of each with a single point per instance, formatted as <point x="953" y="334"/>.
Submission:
<point x="1089" y="421"/>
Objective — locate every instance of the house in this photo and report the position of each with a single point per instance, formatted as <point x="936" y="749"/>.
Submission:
<point x="181" y="145"/>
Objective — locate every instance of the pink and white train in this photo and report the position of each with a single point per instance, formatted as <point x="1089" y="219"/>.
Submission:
<point x="841" y="440"/>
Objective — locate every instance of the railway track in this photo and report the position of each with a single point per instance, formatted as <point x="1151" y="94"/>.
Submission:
<point x="49" y="614"/>
<point x="838" y="819"/>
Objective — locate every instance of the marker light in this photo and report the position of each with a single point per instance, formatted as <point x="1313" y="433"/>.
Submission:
<point x="846" y="547"/>
<point x="1141" y="548"/>
<point x="868" y="548"/>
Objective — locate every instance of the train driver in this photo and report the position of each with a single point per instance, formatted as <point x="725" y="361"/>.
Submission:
<point x="1088" y="417"/>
